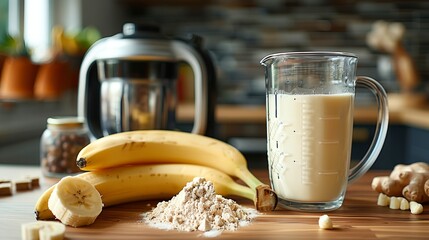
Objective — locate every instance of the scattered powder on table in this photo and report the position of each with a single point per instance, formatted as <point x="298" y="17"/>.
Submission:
<point x="198" y="208"/>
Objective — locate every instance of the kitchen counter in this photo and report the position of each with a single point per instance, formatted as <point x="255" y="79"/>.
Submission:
<point x="401" y="111"/>
<point x="359" y="218"/>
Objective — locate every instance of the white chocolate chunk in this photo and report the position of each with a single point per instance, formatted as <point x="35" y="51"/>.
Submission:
<point x="404" y="205"/>
<point x="395" y="203"/>
<point x="416" y="208"/>
<point x="383" y="200"/>
<point x="325" y="222"/>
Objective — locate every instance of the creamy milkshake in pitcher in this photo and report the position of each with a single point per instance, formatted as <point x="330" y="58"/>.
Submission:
<point x="310" y="99"/>
<point x="310" y="138"/>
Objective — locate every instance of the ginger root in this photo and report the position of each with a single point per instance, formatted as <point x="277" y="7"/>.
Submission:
<point x="410" y="181"/>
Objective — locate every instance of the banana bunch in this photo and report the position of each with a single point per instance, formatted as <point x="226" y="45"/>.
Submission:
<point x="163" y="146"/>
<point x="156" y="164"/>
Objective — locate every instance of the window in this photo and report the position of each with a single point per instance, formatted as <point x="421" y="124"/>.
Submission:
<point x="27" y="19"/>
<point x="33" y="20"/>
<point x="37" y="27"/>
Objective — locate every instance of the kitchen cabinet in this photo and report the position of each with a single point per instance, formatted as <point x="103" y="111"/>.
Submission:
<point x="403" y="144"/>
<point x="417" y="145"/>
<point x="394" y="148"/>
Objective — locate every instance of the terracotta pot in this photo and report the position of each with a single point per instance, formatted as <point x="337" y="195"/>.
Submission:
<point x="52" y="80"/>
<point x="2" y="59"/>
<point x="17" y="78"/>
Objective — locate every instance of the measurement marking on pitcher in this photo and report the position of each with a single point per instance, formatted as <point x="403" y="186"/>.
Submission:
<point x="306" y="178"/>
<point x="307" y="142"/>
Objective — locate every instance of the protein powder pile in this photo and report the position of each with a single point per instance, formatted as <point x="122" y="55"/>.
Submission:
<point x="198" y="207"/>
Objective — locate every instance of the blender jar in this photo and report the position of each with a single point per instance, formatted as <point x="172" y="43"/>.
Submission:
<point x="137" y="94"/>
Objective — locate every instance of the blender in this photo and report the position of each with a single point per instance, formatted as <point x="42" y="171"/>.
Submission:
<point x="129" y="82"/>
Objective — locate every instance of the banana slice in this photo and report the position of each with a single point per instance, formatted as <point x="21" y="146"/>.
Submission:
<point x="75" y="202"/>
<point x="43" y="230"/>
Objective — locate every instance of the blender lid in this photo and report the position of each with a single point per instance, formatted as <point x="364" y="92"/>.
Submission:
<point x="142" y="31"/>
<point x="139" y="42"/>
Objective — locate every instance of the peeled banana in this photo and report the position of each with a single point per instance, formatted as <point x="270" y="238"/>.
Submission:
<point x="46" y="230"/>
<point x="151" y="181"/>
<point x="75" y="202"/>
<point x="165" y="146"/>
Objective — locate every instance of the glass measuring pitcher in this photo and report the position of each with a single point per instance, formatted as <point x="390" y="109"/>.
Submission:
<point x="310" y="103"/>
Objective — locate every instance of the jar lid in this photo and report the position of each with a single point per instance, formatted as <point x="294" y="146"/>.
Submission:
<point x="65" y="121"/>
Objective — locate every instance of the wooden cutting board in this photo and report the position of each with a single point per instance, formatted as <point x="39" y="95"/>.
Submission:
<point x="359" y="218"/>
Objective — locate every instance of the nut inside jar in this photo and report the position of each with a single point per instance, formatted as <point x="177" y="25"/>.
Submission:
<point x="60" y="144"/>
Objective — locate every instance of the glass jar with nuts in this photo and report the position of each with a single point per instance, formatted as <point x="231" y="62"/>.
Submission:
<point x="62" y="140"/>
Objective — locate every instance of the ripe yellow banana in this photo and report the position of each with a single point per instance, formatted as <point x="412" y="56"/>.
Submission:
<point x="164" y="146"/>
<point x="144" y="182"/>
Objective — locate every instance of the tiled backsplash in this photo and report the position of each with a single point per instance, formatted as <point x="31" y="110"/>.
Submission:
<point x="240" y="33"/>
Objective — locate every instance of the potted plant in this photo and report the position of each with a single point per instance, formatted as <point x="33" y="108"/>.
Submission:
<point x="60" y="73"/>
<point x="19" y="72"/>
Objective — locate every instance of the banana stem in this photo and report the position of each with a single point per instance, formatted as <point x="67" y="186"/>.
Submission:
<point x="248" y="178"/>
<point x="265" y="198"/>
<point x="244" y="191"/>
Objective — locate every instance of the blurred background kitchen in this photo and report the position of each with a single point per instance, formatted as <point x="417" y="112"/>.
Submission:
<point x="238" y="34"/>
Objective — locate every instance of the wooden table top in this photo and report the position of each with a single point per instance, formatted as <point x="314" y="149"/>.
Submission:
<point x="358" y="218"/>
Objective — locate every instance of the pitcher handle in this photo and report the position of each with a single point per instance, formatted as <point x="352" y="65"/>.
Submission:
<point x="381" y="128"/>
<point x="186" y="53"/>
